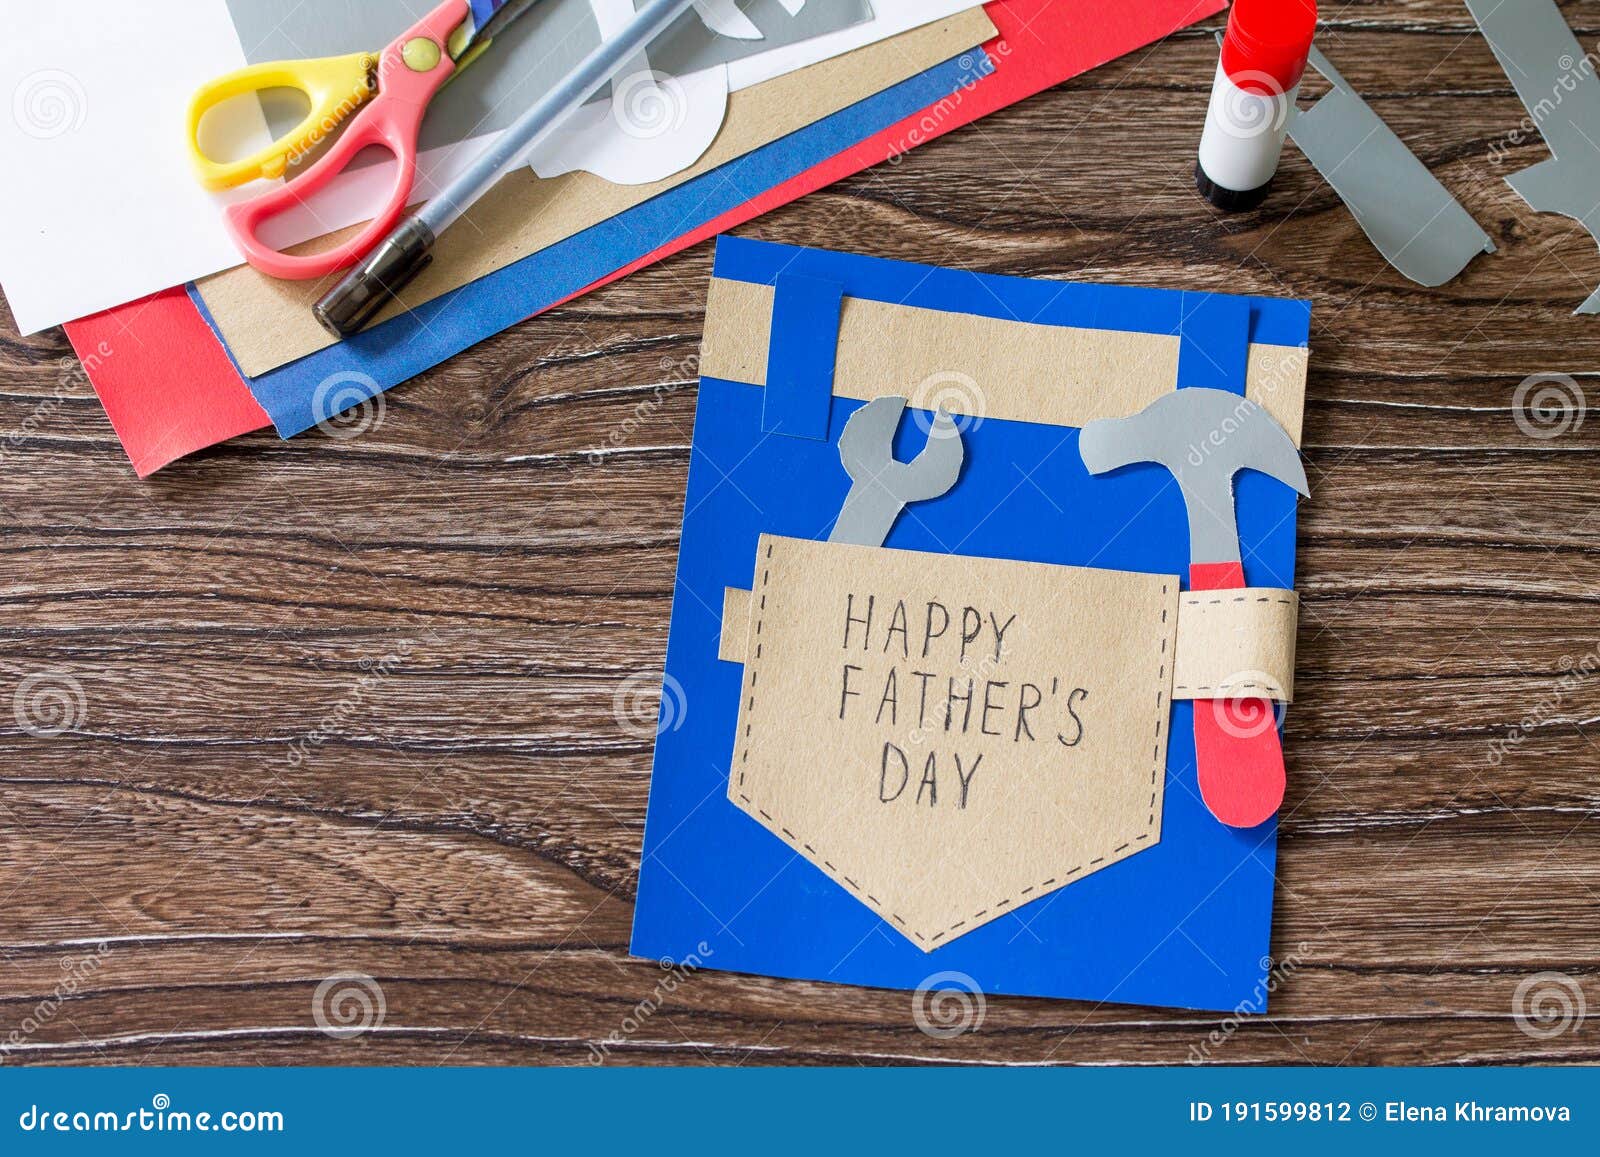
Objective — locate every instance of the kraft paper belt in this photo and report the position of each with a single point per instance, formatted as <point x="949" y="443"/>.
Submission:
<point x="1024" y="371"/>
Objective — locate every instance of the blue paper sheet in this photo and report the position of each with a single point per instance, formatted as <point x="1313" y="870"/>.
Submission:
<point x="1185" y="923"/>
<point x="411" y="343"/>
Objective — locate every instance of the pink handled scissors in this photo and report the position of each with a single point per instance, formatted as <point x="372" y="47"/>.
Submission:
<point x="380" y="99"/>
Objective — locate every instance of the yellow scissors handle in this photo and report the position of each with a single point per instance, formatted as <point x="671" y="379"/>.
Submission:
<point x="336" y="85"/>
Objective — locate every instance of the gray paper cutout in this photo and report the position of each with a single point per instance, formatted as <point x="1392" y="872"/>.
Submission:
<point x="1416" y="224"/>
<point x="881" y="486"/>
<point x="725" y="19"/>
<point x="1203" y="438"/>
<point x="1557" y="84"/>
<point x="525" y="61"/>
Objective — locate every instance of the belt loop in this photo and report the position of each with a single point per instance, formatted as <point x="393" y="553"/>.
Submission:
<point x="1214" y="341"/>
<point x="801" y="356"/>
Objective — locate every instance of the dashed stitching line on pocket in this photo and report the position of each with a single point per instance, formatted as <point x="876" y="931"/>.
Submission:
<point x="750" y="706"/>
<point x="833" y="873"/>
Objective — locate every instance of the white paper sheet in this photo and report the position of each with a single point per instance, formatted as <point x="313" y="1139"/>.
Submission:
<point x="100" y="205"/>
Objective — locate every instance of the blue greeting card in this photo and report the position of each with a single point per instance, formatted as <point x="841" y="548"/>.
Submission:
<point x="932" y="686"/>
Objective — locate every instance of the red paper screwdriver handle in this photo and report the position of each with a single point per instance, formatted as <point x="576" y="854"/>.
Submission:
<point x="1236" y="747"/>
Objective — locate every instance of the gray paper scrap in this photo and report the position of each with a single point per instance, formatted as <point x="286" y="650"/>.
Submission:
<point x="724" y="18"/>
<point x="526" y="60"/>
<point x="1416" y="224"/>
<point x="1557" y="84"/>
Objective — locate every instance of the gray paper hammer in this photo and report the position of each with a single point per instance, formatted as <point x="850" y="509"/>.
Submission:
<point x="1203" y="438"/>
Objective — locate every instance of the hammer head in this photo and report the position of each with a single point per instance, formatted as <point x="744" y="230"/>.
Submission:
<point x="1203" y="437"/>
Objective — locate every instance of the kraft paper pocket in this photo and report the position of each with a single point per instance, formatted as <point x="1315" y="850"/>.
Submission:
<point x="959" y="739"/>
<point x="898" y="706"/>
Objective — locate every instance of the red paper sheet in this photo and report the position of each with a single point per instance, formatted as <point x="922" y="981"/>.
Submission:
<point x="188" y="396"/>
<point x="165" y="381"/>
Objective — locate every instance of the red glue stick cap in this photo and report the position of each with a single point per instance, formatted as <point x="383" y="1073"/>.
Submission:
<point x="1265" y="48"/>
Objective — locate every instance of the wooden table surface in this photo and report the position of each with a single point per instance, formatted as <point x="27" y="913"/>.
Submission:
<point x="350" y="706"/>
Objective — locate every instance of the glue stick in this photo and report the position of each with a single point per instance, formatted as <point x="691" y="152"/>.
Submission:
<point x="1264" y="54"/>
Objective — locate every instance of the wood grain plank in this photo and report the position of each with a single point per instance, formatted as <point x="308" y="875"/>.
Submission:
<point x="381" y="705"/>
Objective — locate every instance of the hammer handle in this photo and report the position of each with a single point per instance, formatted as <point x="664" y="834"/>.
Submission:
<point x="1238" y="753"/>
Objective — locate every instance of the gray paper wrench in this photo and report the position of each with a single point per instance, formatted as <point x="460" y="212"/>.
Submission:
<point x="882" y="486"/>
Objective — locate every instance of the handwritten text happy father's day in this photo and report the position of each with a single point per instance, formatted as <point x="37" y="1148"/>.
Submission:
<point x="923" y="669"/>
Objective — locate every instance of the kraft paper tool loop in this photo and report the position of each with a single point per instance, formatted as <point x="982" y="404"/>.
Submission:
<point x="378" y="98"/>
